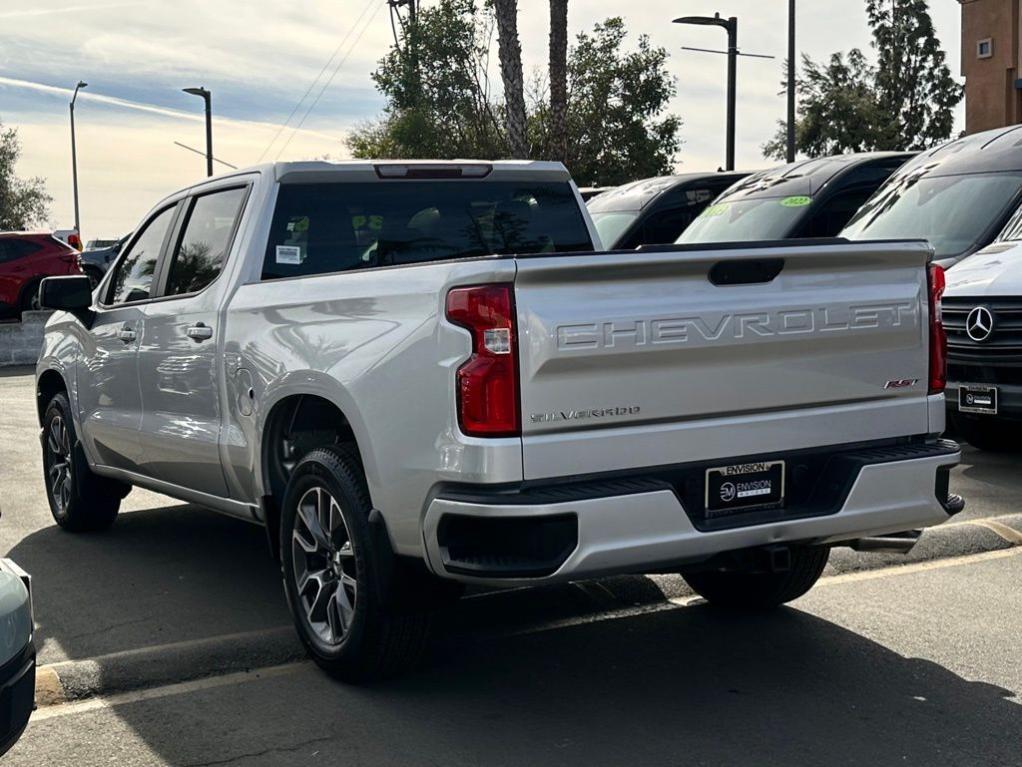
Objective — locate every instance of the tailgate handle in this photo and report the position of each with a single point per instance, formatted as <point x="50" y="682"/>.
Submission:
<point x="747" y="272"/>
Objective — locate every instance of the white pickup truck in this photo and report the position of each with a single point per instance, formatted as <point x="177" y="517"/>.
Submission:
<point x="420" y="374"/>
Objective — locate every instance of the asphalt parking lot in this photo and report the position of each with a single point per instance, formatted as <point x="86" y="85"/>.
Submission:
<point x="172" y="630"/>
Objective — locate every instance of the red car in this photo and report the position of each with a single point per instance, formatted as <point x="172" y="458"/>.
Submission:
<point x="25" y="258"/>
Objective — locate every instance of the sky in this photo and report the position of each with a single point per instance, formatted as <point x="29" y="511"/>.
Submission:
<point x="260" y="57"/>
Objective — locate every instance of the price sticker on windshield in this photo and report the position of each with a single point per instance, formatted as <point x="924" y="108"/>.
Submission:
<point x="799" y="201"/>
<point x="715" y="210"/>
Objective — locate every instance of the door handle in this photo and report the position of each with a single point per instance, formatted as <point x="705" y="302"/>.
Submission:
<point x="199" y="331"/>
<point x="126" y="333"/>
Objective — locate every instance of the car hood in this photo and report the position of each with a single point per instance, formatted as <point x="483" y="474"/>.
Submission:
<point x="994" y="271"/>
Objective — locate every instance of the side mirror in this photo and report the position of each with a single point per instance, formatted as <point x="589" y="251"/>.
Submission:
<point x="70" y="294"/>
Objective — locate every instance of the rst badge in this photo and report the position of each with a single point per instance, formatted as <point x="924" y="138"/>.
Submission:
<point x="901" y="383"/>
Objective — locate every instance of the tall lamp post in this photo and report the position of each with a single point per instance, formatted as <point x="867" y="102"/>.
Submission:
<point x="791" y="80"/>
<point x="730" y="25"/>
<point x="206" y="97"/>
<point x="74" y="154"/>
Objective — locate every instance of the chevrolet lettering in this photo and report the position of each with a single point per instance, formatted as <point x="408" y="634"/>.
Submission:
<point x="622" y="334"/>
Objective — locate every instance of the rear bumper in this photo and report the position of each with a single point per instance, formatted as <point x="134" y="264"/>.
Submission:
<point x="634" y="525"/>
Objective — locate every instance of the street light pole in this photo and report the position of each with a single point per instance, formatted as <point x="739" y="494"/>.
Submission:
<point x="730" y="25"/>
<point x="732" y="88"/>
<point x="208" y="99"/>
<point x="791" y="80"/>
<point x="74" y="155"/>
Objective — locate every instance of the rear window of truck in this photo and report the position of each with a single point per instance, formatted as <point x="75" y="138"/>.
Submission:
<point x="334" y="227"/>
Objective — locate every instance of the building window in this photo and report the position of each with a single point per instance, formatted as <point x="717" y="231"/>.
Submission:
<point x="985" y="48"/>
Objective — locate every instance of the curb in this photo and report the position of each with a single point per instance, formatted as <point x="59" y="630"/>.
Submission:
<point x="130" y="670"/>
<point x="953" y="539"/>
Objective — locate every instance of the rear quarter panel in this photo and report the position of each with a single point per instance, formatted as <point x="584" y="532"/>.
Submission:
<point x="375" y="344"/>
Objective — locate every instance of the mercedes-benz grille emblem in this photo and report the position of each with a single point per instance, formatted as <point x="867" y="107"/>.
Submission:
<point x="979" y="324"/>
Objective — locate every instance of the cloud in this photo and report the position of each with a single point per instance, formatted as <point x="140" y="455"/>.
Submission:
<point x="28" y="12"/>
<point x="259" y="57"/>
<point x="176" y="114"/>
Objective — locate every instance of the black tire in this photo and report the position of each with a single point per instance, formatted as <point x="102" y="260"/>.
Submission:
<point x="989" y="435"/>
<point x="746" y="588"/>
<point x="367" y="630"/>
<point x="29" y="300"/>
<point x="80" y="500"/>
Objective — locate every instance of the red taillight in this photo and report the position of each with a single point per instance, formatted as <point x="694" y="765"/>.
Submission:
<point x="488" y="382"/>
<point x="938" y="338"/>
<point x="74" y="241"/>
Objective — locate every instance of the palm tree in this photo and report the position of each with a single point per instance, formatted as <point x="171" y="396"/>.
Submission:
<point x="559" y="79"/>
<point x="510" y="53"/>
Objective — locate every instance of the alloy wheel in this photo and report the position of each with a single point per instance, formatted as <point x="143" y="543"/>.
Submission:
<point x="58" y="448"/>
<point x="324" y="565"/>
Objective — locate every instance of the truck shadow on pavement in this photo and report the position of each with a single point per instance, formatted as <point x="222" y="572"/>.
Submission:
<point x="690" y="687"/>
<point x="158" y="576"/>
<point x="686" y="686"/>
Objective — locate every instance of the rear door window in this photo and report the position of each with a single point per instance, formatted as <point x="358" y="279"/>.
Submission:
<point x="666" y="226"/>
<point x="133" y="275"/>
<point x="830" y="217"/>
<point x="11" y="250"/>
<point x="202" y="249"/>
<point x="332" y="227"/>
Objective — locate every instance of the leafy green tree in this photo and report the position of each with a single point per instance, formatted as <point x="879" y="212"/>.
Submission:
<point x="24" y="203"/>
<point x="437" y="90"/>
<point x="905" y="101"/>
<point x="914" y="86"/>
<point x="617" y="129"/>
<point x="838" y="109"/>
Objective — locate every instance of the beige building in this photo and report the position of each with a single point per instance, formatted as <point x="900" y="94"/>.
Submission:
<point x="991" y="63"/>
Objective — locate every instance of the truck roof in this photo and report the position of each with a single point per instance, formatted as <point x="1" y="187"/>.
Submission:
<point x="368" y="170"/>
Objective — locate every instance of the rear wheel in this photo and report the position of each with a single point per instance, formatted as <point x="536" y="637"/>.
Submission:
<point x="993" y="436"/>
<point x="80" y="500"/>
<point x="746" y="585"/>
<point x="345" y="608"/>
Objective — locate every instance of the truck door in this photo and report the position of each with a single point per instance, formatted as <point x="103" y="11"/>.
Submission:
<point x="178" y="371"/>
<point x="107" y="373"/>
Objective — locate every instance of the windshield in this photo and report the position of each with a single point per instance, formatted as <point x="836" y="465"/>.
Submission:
<point x="612" y="224"/>
<point x="952" y="212"/>
<point x="764" y="218"/>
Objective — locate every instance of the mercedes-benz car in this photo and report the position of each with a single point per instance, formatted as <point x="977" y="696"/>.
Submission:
<point x="958" y="196"/>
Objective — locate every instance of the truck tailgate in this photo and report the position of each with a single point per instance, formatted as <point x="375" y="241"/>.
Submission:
<point x="655" y="358"/>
